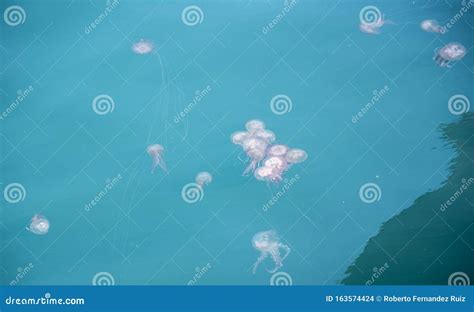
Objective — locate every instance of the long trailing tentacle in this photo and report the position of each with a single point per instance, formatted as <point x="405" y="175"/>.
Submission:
<point x="278" y="264"/>
<point x="260" y="259"/>
<point x="287" y="250"/>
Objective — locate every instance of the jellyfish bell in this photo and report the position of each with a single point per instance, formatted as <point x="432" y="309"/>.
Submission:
<point x="374" y="28"/>
<point x="263" y="173"/>
<point x="295" y="156"/>
<point x="431" y="26"/>
<point x="265" y="135"/>
<point x="156" y="151"/>
<point x="39" y="225"/>
<point x="265" y="240"/>
<point x="276" y="162"/>
<point x="142" y="46"/>
<point x="203" y="178"/>
<point x="254" y="125"/>
<point x="277" y="150"/>
<point x="254" y="143"/>
<point x="255" y="155"/>
<point x="450" y="53"/>
<point x="239" y="137"/>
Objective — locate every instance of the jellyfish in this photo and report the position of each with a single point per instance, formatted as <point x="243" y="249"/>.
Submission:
<point x="39" y="225"/>
<point x="277" y="163"/>
<point x="253" y="125"/>
<point x="268" y="243"/>
<point x="265" y="135"/>
<point x="374" y="28"/>
<point x="203" y="178"/>
<point x="277" y="150"/>
<point x="254" y="143"/>
<point x="431" y="26"/>
<point x="448" y="54"/>
<point x="269" y="174"/>
<point x="256" y="155"/>
<point x="239" y="137"/>
<point x="294" y="156"/>
<point x="142" y="46"/>
<point x="156" y="152"/>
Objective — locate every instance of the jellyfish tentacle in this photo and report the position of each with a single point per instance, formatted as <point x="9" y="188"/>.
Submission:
<point x="286" y="249"/>
<point x="161" y="162"/>
<point x="260" y="259"/>
<point x="277" y="259"/>
<point x="250" y="168"/>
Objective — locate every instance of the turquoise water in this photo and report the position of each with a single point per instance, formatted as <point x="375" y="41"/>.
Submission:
<point x="142" y="231"/>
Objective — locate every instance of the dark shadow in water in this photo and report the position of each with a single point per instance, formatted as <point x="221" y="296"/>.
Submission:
<point x="429" y="241"/>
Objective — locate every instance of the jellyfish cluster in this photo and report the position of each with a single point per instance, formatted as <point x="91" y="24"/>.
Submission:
<point x="450" y="53"/>
<point x="268" y="243"/>
<point x="156" y="151"/>
<point x="266" y="160"/>
<point x="39" y="225"/>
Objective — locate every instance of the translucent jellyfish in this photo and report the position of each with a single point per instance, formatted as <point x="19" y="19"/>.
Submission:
<point x="254" y="143"/>
<point x="431" y="26"/>
<point x="156" y="152"/>
<point x="277" y="150"/>
<point x="276" y="162"/>
<point x="295" y="156"/>
<point x="253" y="125"/>
<point x="142" y="47"/>
<point x="256" y="155"/>
<point x="239" y="137"/>
<point x="374" y="28"/>
<point x="269" y="174"/>
<point x="268" y="243"/>
<point x="448" y="54"/>
<point x="265" y="135"/>
<point x="203" y="178"/>
<point x="39" y="225"/>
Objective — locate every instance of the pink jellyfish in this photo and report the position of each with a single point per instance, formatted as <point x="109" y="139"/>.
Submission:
<point x="256" y="155"/>
<point x="268" y="243"/>
<point x="269" y="174"/>
<point x="254" y="143"/>
<point x="277" y="150"/>
<point x="448" y="54"/>
<point x="265" y="135"/>
<point x="431" y="26"/>
<point x="254" y="125"/>
<point x="203" y="178"/>
<point x="156" y="152"/>
<point x="39" y="225"/>
<point x="142" y="47"/>
<point x="239" y="137"/>
<point x="295" y="156"/>
<point x="276" y="162"/>
<point x="374" y="27"/>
